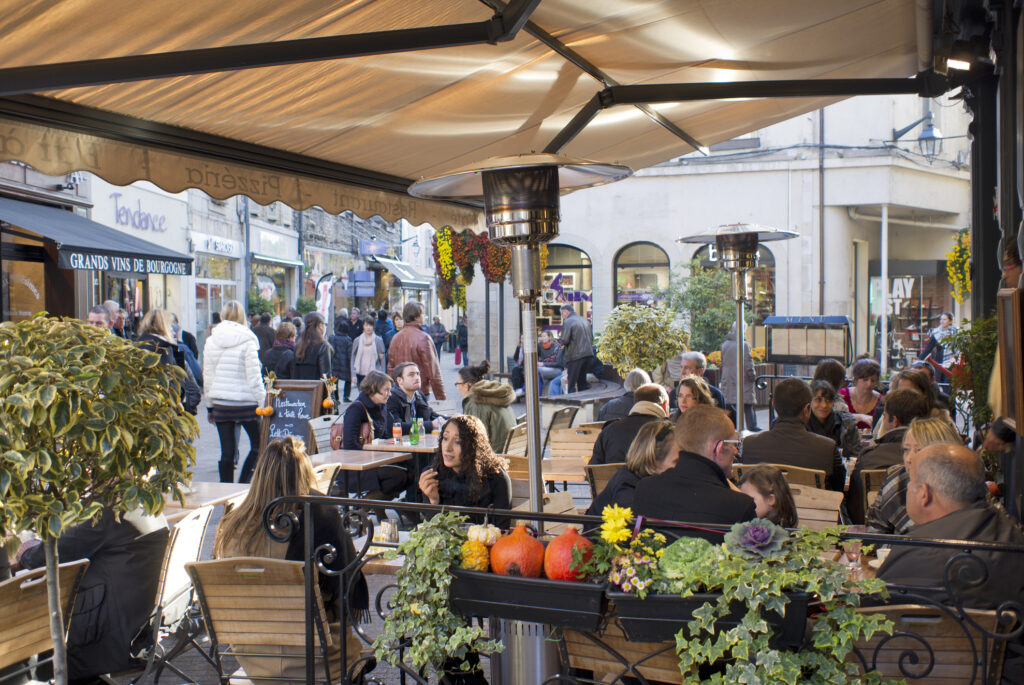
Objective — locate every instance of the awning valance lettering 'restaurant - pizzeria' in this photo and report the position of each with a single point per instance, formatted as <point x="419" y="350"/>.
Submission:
<point x="84" y="244"/>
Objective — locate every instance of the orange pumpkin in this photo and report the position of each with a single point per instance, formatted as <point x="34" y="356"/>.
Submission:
<point x="558" y="556"/>
<point x="518" y="554"/>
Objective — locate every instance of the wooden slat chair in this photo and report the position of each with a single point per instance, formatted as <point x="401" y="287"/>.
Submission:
<point x="320" y="432"/>
<point x="816" y="508"/>
<point x="872" y="484"/>
<point x="175" y="595"/>
<point x="955" y="661"/>
<point x="794" y="475"/>
<point x="25" y="631"/>
<point x="518" y="466"/>
<point x="562" y="418"/>
<point x="324" y="474"/>
<point x="598" y="476"/>
<point x="593" y="424"/>
<point x="574" y="442"/>
<point x="252" y="604"/>
<point x="515" y="441"/>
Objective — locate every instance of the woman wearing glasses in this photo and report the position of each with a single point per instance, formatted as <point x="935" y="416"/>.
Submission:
<point x="488" y="401"/>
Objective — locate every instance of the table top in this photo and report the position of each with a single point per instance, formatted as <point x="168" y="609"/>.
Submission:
<point x="359" y="460"/>
<point x="200" y="494"/>
<point x="428" y="443"/>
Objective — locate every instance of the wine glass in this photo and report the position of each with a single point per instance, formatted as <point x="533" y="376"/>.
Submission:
<point x="852" y="547"/>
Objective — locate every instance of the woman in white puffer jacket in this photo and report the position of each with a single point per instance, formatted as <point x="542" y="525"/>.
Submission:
<point x="233" y="388"/>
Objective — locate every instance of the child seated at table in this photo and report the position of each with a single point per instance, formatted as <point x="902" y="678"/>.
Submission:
<point x="766" y="485"/>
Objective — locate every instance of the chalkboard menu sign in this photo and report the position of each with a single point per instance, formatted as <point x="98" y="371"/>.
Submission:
<point x="295" y="404"/>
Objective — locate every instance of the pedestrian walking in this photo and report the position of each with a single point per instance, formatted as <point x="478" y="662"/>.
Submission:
<point x="578" y="341"/>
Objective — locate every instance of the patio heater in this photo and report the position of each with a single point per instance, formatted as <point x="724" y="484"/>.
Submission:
<point x="520" y="195"/>
<point x="737" y="245"/>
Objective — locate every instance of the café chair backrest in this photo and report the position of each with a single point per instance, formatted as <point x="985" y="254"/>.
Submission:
<point x="794" y="475"/>
<point x="320" y="432"/>
<point x="554" y="503"/>
<point x="593" y="424"/>
<point x="816" y="508"/>
<point x="934" y="646"/>
<point x="186" y="545"/>
<point x="598" y="476"/>
<point x="518" y="466"/>
<point x="574" y="442"/>
<point x="250" y="603"/>
<point x="324" y="474"/>
<point x="872" y="484"/>
<point x="515" y="441"/>
<point x="562" y="418"/>
<point x="25" y="631"/>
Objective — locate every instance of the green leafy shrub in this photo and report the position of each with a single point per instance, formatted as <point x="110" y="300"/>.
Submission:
<point x="88" y="421"/>
<point x="258" y="305"/>
<point x="640" y="337"/>
<point x="976" y="343"/>
<point x="702" y="295"/>
<point x="305" y="305"/>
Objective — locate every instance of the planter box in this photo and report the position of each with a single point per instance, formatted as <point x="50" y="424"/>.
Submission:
<point x="579" y="606"/>
<point x="660" y="617"/>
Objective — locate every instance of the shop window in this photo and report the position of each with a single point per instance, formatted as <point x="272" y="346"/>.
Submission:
<point x="761" y="281"/>
<point x="641" y="270"/>
<point x="214" y="267"/>
<point x="567" y="279"/>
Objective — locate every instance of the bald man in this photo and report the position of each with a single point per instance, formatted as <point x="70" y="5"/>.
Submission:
<point x="946" y="499"/>
<point x="696" y="489"/>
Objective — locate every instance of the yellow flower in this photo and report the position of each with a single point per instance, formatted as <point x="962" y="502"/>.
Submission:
<point x="659" y="553"/>
<point x="616" y="515"/>
<point x="613" y="534"/>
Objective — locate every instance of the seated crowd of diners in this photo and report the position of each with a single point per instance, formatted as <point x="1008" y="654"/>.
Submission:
<point x="677" y="448"/>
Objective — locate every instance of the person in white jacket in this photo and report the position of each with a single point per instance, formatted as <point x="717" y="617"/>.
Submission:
<point x="234" y="388"/>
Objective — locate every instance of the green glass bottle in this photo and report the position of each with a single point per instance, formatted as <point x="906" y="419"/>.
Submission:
<point x="414" y="433"/>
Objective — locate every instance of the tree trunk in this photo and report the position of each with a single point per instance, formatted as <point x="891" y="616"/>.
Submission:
<point x="60" y="669"/>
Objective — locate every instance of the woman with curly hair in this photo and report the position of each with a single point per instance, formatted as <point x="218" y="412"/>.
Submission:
<point x="466" y="472"/>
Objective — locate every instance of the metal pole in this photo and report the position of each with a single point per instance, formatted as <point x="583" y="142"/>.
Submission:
<point x="487" y="319"/>
<point x="884" y="331"/>
<point x="532" y="408"/>
<point x="501" y="325"/>
<point x="738" y="291"/>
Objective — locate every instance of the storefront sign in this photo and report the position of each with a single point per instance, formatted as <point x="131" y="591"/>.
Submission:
<point x="86" y="261"/>
<point x="373" y="247"/>
<point x="137" y="218"/>
<point x="221" y="246"/>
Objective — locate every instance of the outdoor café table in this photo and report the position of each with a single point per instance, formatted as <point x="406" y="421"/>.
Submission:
<point x="360" y="460"/>
<point x="427" y="444"/>
<point x="200" y="494"/>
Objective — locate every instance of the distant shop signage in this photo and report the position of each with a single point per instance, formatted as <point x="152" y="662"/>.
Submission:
<point x="373" y="247"/>
<point x="220" y="246"/>
<point x="137" y="218"/>
<point x="89" y="261"/>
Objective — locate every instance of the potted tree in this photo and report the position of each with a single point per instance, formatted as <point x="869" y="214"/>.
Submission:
<point x="636" y="336"/>
<point x="88" y="421"/>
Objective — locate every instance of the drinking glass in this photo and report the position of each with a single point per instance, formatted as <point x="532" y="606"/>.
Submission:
<point x="852" y="547"/>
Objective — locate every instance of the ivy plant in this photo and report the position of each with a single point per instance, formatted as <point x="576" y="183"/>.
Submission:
<point x="757" y="566"/>
<point x="88" y="421"/>
<point x="637" y="336"/>
<point x="975" y="343"/>
<point x="421" y="619"/>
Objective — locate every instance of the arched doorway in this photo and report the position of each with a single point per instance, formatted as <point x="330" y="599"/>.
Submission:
<point x="641" y="270"/>
<point x="568" y="278"/>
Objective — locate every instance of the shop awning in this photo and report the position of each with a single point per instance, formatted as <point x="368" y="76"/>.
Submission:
<point x="343" y="105"/>
<point x="403" y="273"/>
<point x="276" y="260"/>
<point x="87" y="245"/>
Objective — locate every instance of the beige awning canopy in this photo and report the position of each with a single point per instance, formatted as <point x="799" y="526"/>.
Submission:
<point x="333" y="126"/>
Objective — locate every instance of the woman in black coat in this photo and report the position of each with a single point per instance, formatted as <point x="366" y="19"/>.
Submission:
<point x="341" y="363"/>
<point x="281" y="357"/>
<point x="155" y="335"/>
<point x="312" y="353"/>
<point x="653" y="451"/>
<point x="466" y="472"/>
<point x="364" y="420"/>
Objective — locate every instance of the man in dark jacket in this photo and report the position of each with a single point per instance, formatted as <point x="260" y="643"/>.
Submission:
<point x="341" y="361"/>
<point x="407" y="403"/>
<point x="789" y="442"/>
<point x="264" y="333"/>
<point x="118" y="591"/>
<point x="618" y="407"/>
<point x="578" y="341"/>
<point x="946" y="500"/>
<point x="462" y="340"/>
<point x="696" y="489"/>
<point x="438" y="333"/>
<point x="355" y="325"/>
<point x="412" y="344"/>
<point x="383" y="327"/>
<point x="616" y="436"/>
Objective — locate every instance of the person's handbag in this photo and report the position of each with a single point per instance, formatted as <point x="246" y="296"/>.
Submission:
<point x="338" y="431"/>
<point x="458" y="356"/>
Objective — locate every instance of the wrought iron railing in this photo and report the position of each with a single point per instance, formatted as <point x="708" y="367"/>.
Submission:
<point x="964" y="571"/>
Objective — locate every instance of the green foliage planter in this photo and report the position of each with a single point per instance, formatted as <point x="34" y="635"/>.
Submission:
<point x="659" y="617"/>
<point x="579" y="606"/>
<point x="639" y="337"/>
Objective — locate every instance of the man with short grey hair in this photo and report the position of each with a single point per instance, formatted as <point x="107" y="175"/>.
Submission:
<point x="946" y="500"/>
<point x="618" y="407"/>
<point x="98" y="317"/>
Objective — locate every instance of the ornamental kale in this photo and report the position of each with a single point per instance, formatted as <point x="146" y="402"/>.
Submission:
<point x="756" y="539"/>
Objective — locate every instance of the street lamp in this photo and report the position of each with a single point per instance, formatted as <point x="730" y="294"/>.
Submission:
<point x="930" y="140"/>
<point x="521" y="207"/>
<point x="737" y="253"/>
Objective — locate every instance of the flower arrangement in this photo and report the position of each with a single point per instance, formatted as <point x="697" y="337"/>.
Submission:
<point x="495" y="260"/>
<point x="446" y="293"/>
<point x="460" y="296"/>
<point x="758" y="354"/>
<point x="715" y="358"/>
<point x="543" y="259"/>
<point x="958" y="265"/>
<point x="462" y="255"/>
<point x="752" y="572"/>
<point x="443" y="259"/>
<point x="330" y="388"/>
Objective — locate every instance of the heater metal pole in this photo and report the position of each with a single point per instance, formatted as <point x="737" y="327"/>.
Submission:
<point x="738" y="292"/>
<point x="533" y="445"/>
